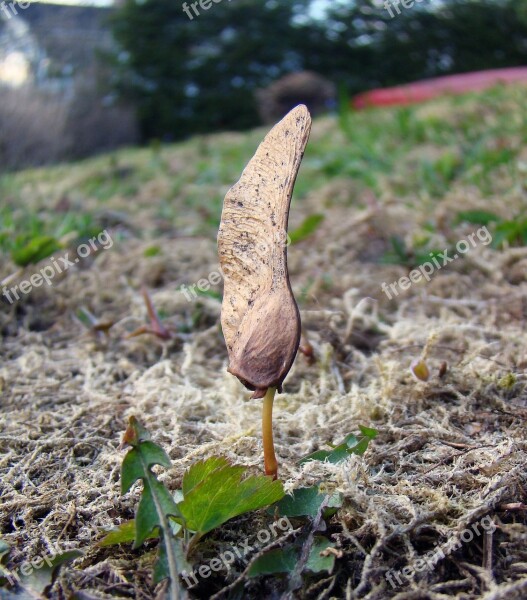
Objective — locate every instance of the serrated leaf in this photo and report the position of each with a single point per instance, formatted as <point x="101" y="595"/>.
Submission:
<point x="155" y="498"/>
<point x="133" y="466"/>
<point x="157" y="505"/>
<point x="351" y="445"/>
<point x="219" y="494"/>
<point x="161" y="566"/>
<point x="306" y="502"/>
<point x="200" y="471"/>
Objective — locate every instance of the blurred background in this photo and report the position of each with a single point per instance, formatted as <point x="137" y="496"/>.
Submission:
<point x="81" y="78"/>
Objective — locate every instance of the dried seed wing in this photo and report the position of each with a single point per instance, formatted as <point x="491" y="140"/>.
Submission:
<point x="260" y="318"/>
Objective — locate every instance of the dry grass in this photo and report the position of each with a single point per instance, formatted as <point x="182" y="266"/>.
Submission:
<point x="449" y="452"/>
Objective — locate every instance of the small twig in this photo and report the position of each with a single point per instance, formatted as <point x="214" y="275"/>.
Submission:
<point x="331" y="580"/>
<point x="513" y="506"/>
<point x="487" y="551"/>
<point x="509" y="414"/>
<point x="454" y="301"/>
<point x="448" y="348"/>
<point x="457" y="445"/>
<point x="338" y="377"/>
<point x="72" y="514"/>
<point x="453" y="456"/>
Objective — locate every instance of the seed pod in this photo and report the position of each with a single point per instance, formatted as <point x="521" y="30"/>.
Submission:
<point x="259" y="315"/>
<point x="420" y="370"/>
<point x="443" y="368"/>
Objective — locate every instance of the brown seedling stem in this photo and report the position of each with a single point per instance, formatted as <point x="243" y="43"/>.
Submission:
<point x="270" y="462"/>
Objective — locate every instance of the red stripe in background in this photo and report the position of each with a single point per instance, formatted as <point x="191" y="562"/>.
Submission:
<point x="420" y="91"/>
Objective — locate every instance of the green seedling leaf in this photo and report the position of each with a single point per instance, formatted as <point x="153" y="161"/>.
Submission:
<point x="398" y="255"/>
<point x="145" y="455"/>
<point x="284" y="560"/>
<point x="152" y="251"/>
<point x="156" y="502"/>
<point x="368" y="432"/>
<point x="512" y="232"/>
<point x="409" y="257"/>
<point x="34" y="251"/>
<point x="200" y="471"/>
<point x="156" y="505"/>
<point x="214" y="493"/>
<point x="420" y="258"/>
<point x="306" y="502"/>
<point x="162" y="565"/>
<point x="504" y="232"/>
<point x="302" y="502"/>
<point x="476" y="217"/>
<point x="210" y="294"/>
<point x="309" y="226"/>
<point x="123" y="534"/>
<point x="320" y="559"/>
<point x="351" y="445"/>
<point x="399" y="247"/>
<point x="344" y="113"/>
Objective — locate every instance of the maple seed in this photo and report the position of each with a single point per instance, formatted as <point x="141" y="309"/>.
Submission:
<point x="259" y="315"/>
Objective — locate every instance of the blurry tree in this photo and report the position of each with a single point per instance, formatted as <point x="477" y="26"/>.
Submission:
<point x="429" y="39"/>
<point x="199" y="75"/>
